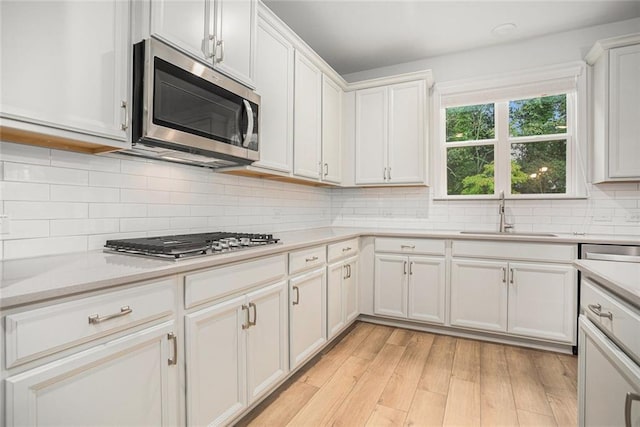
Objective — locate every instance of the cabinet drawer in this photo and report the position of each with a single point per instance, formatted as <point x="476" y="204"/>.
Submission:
<point x="306" y="259"/>
<point x="216" y="283"/>
<point x="342" y="249"/>
<point x="410" y="246"/>
<point x="43" y="331"/>
<point x="515" y="250"/>
<point x="623" y="324"/>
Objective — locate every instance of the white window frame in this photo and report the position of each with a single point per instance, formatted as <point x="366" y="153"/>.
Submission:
<point x="569" y="79"/>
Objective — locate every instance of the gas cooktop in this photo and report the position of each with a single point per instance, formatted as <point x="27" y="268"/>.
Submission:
<point x="189" y="245"/>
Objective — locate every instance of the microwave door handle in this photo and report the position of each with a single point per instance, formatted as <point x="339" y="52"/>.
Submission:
<point x="249" y="133"/>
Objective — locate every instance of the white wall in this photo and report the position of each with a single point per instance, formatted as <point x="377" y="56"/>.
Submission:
<point x="59" y="201"/>
<point x="521" y="55"/>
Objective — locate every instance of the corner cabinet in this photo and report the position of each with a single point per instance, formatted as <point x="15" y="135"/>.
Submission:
<point x="73" y="93"/>
<point x="218" y="32"/>
<point x="615" y="108"/>
<point x="390" y="134"/>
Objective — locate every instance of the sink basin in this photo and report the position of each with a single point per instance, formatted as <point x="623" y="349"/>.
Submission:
<point x="515" y="233"/>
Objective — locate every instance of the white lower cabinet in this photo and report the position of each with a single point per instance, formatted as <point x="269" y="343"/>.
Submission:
<point x="229" y="363"/>
<point x="479" y="295"/>
<point x="342" y="295"/>
<point x="128" y="381"/>
<point x="529" y="299"/>
<point x="411" y="287"/>
<point x="307" y="315"/>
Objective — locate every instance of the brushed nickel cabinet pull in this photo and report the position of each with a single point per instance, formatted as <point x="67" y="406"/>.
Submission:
<point x="411" y="268"/>
<point x="597" y="310"/>
<point x="346" y="271"/>
<point x="172" y="337"/>
<point x="125" y="124"/>
<point x="512" y="276"/>
<point x="349" y="267"/>
<point x="326" y="169"/>
<point x="384" y="174"/>
<point x="94" y="319"/>
<point x="297" y="291"/>
<point x="313" y="258"/>
<point x="628" y="401"/>
<point x="389" y="174"/>
<point x="221" y="44"/>
<point x="255" y="314"/>
<point x="211" y="53"/>
<point x="248" y="324"/>
<point x="405" y="267"/>
<point x="504" y="275"/>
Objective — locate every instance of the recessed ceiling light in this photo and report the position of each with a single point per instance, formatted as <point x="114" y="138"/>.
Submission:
<point x="504" y="30"/>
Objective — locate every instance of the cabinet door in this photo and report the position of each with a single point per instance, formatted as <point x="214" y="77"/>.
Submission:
<point x="371" y="135"/>
<point x="543" y="301"/>
<point x="426" y="289"/>
<point x="65" y="64"/>
<point x="274" y="83"/>
<point x="624" y="110"/>
<point x="307" y="315"/>
<point x="235" y="30"/>
<point x="186" y="24"/>
<point x="390" y="285"/>
<point x="407" y="136"/>
<point x="335" y="306"/>
<point x="479" y="295"/>
<point x="307" y="118"/>
<point x="350" y="290"/>
<point x="127" y="381"/>
<point x="331" y="131"/>
<point x="606" y="376"/>
<point x="267" y="339"/>
<point x="215" y="355"/>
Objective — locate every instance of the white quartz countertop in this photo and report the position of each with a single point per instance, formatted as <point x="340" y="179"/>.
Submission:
<point x="31" y="280"/>
<point x="621" y="278"/>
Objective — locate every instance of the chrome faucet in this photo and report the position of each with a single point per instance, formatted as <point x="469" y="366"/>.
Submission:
<point x="504" y="226"/>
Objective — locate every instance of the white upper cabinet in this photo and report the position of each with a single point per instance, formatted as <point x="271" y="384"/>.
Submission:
<point x="331" y="131"/>
<point x="307" y="127"/>
<point x="615" y="108"/>
<point x="407" y="119"/>
<point x="219" y="32"/>
<point x="274" y="83"/>
<point x="390" y="134"/>
<point x="65" y="71"/>
<point x="371" y="135"/>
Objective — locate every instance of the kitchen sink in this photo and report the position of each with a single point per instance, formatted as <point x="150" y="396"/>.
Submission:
<point x="504" y="233"/>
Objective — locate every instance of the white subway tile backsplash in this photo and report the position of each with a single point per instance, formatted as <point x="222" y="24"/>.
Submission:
<point x="117" y="210"/>
<point x="74" y="227"/>
<point x="26" y="229"/>
<point x="69" y="193"/>
<point x="45" y="210"/>
<point x="23" y="191"/>
<point x="21" y="153"/>
<point x="27" y="248"/>
<point x="70" y="159"/>
<point x="44" y="174"/>
<point x="144" y="224"/>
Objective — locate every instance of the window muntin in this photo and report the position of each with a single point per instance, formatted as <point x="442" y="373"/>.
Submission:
<point x="531" y="148"/>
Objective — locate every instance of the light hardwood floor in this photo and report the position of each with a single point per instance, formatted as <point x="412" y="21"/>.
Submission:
<point x="383" y="376"/>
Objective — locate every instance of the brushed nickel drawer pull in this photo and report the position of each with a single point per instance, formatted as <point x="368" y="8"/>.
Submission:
<point x="174" y="360"/>
<point x="407" y="246"/>
<point x="597" y="310"/>
<point x="313" y="258"/>
<point x="94" y="319"/>
<point x="347" y="249"/>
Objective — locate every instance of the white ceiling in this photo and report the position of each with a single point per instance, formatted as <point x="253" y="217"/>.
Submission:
<point x="361" y="35"/>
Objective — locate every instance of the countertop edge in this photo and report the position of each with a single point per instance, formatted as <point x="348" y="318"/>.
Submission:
<point x="608" y="283"/>
<point x="335" y="234"/>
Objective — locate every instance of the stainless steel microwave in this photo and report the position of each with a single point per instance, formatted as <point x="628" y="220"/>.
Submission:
<point x="183" y="110"/>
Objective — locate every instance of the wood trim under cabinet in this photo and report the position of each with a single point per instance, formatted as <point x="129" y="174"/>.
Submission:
<point x="9" y="134"/>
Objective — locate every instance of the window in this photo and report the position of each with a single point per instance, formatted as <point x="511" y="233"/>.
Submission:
<point x="520" y="140"/>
